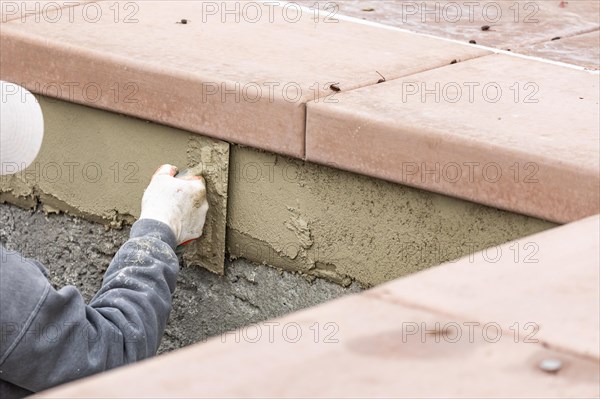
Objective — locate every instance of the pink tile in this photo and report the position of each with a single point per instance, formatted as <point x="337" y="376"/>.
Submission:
<point x="512" y="23"/>
<point x="582" y="50"/>
<point x="37" y="10"/>
<point x="244" y="81"/>
<point x="508" y="132"/>
<point x="550" y="280"/>
<point x="370" y="348"/>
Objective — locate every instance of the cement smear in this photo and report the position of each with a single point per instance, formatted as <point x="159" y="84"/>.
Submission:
<point x="77" y="252"/>
<point x="96" y="164"/>
<point x="329" y="223"/>
<point x="284" y="212"/>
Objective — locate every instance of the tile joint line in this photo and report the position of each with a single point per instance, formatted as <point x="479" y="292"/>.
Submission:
<point x="493" y="50"/>
<point x="396" y="300"/>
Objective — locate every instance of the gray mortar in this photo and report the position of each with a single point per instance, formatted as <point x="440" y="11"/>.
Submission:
<point x="77" y="252"/>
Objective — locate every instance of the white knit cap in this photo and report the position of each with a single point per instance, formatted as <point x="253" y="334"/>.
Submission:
<point x="21" y="128"/>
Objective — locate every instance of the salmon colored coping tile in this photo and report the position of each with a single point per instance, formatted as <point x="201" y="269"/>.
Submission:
<point x="512" y="23"/>
<point x="550" y="280"/>
<point x="445" y="332"/>
<point x="382" y="350"/>
<point x="508" y="132"/>
<point x="49" y="10"/>
<point x="582" y="50"/>
<point x="244" y="82"/>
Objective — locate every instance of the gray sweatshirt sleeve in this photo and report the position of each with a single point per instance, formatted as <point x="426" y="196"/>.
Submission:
<point x="49" y="337"/>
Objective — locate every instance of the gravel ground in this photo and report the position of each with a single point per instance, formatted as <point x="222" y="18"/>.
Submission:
<point x="77" y="252"/>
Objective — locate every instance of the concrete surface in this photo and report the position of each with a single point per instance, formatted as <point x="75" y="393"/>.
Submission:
<point x="96" y="164"/>
<point x="77" y="252"/>
<point x="329" y="223"/>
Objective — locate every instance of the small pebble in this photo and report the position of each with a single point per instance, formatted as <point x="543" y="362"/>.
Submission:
<point x="485" y="27"/>
<point x="472" y="42"/>
<point x="550" y="365"/>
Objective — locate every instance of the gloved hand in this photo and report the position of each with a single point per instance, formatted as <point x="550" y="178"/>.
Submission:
<point x="179" y="203"/>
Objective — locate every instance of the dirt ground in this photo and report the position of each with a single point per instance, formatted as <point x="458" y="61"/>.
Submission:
<point x="77" y="252"/>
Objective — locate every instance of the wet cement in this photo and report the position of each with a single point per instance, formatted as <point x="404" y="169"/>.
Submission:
<point x="346" y="227"/>
<point x="96" y="164"/>
<point x="77" y="252"/>
<point x="296" y="216"/>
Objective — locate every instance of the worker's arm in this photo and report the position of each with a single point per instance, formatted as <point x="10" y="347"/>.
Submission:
<point x="50" y="337"/>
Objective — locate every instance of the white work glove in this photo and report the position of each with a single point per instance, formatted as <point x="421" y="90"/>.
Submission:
<point x="179" y="203"/>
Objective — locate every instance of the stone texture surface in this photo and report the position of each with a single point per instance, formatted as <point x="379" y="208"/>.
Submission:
<point x="365" y="348"/>
<point x="329" y="223"/>
<point x="512" y="23"/>
<point x="97" y="164"/>
<point x="38" y="10"/>
<point x="287" y="213"/>
<point x="77" y="252"/>
<point x="513" y="133"/>
<point x="582" y="50"/>
<point x="550" y="280"/>
<point x="245" y="80"/>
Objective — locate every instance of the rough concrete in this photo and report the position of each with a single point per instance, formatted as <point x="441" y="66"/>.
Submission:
<point x="77" y="252"/>
<point x="328" y="223"/>
<point x="290" y="214"/>
<point x="97" y="164"/>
